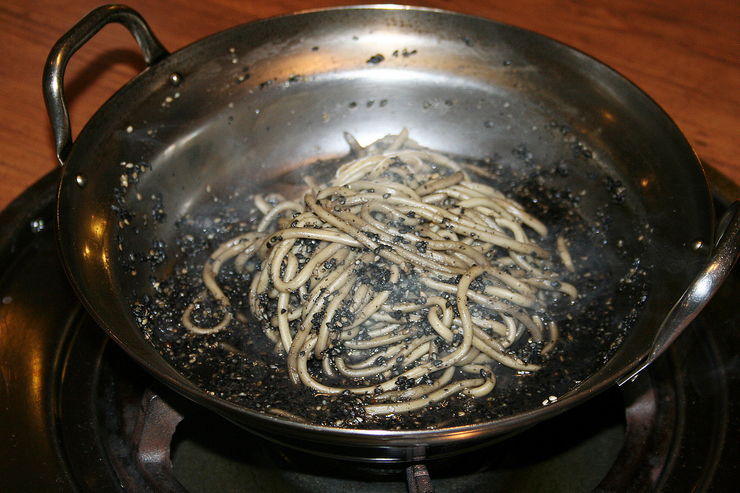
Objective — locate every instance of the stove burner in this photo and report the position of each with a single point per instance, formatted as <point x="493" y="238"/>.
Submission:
<point x="81" y="416"/>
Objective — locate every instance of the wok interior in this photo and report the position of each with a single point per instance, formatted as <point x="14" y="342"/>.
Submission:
<point x="261" y="103"/>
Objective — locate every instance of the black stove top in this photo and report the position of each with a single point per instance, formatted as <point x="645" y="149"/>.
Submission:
<point x="78" y="415"/>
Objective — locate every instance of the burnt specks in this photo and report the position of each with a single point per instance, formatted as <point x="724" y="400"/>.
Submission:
<point x="375" y="59"/>
<point x="616" y="188"/>
<point x="404" y="53"/>
<point x="158" y="213"/>
<point x="244" y="75"/>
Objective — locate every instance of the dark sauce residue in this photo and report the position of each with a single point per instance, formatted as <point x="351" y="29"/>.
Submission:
<point x="238" y="364"/>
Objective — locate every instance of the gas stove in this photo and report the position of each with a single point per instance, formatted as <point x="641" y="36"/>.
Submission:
<point x="79" y="416"/>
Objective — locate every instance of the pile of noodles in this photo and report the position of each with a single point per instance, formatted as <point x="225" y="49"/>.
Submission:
<point x="406" y="280"/>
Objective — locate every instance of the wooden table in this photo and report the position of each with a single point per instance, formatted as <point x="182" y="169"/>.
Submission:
<point x="683" y="53"/>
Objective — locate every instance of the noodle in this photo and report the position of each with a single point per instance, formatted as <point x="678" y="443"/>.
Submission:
<point x="401" y="269"/>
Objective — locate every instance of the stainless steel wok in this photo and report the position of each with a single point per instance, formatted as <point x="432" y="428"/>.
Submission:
<point x="261" y="101"/>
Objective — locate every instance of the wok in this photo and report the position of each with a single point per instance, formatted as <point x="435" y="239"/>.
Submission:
<point x="259" y="102"/>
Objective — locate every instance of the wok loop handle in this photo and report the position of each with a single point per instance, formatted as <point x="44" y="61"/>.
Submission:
<point x="701" y="290"/>
<point x="56" y="63"/>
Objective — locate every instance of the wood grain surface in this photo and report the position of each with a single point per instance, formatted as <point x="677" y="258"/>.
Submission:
<point x="684" y="53"/>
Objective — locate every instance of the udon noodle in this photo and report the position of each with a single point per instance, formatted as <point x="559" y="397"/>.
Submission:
<point x="402" y="279"/>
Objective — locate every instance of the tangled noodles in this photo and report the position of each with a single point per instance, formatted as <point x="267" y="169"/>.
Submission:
<point x="403" y="278"/>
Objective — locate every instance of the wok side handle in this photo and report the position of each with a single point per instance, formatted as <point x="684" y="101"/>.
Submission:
<point x="60" y="54"/>
<point x="701" y="290"/>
